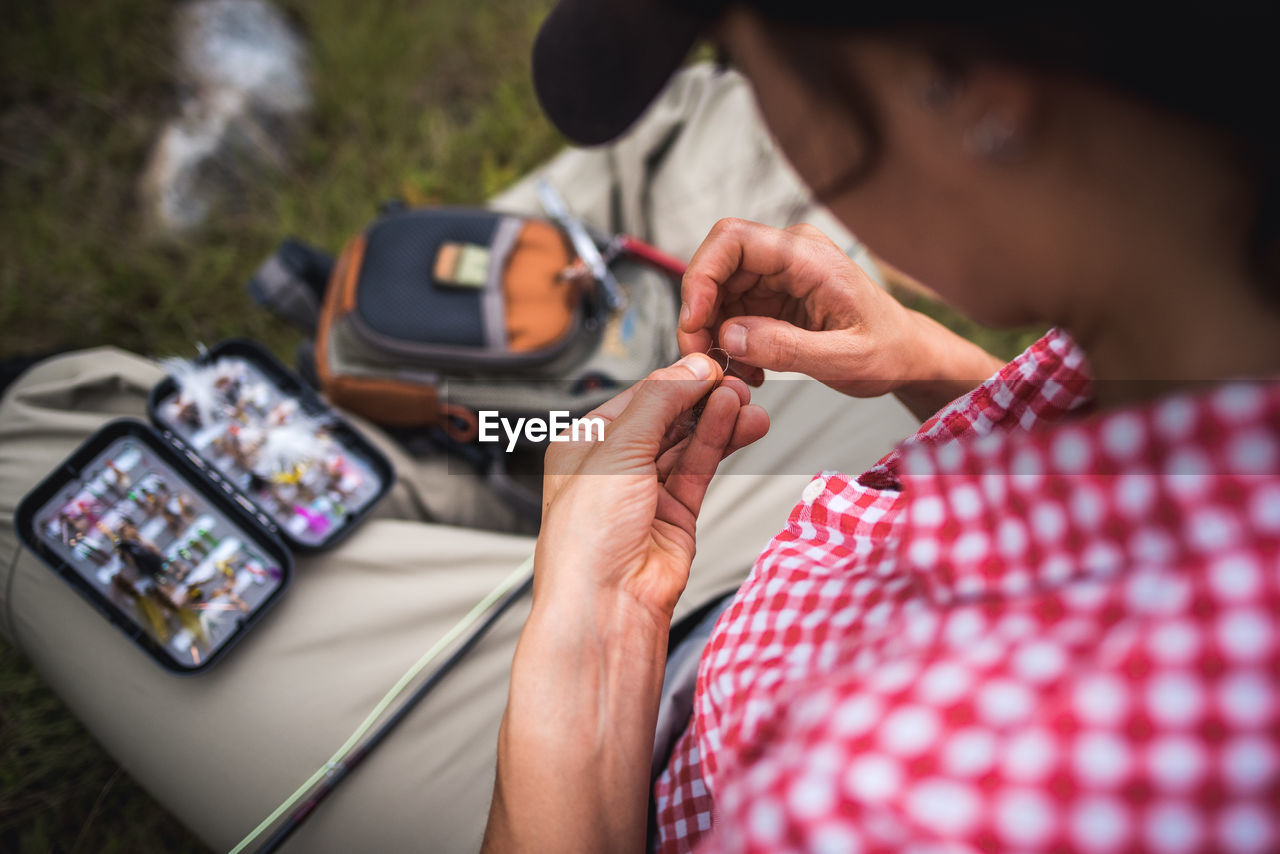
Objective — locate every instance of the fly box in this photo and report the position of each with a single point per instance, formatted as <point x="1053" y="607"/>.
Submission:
<point x="181" y="533"/>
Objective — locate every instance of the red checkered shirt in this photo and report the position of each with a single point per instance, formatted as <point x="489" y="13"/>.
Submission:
<point x="1031" y="628"/>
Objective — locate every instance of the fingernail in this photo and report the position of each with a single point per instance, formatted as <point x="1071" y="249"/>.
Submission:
<point x="735" y="340"/>
<point x="684" y="313"/>
<point x="700" y="365"/>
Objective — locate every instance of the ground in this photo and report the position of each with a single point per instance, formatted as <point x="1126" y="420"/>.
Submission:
<point x="428" y="101"/>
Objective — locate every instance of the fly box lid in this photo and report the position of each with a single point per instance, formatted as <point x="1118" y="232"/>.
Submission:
<point x="274" y="439"/>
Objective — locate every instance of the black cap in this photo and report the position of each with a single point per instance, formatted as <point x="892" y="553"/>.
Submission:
<point x="597" y="64"/>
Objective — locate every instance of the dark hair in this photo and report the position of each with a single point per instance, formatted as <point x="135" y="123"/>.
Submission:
<point x="1208" y="69"/>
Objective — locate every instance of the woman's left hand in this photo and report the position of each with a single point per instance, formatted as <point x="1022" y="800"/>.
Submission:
<point x="619" y="515"/>
<point x="613" y="557"/>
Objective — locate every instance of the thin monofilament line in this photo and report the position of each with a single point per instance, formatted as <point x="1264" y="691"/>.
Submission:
<point x="461" y="627"/>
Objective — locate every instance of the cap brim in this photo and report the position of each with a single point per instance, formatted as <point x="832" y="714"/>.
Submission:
<point x="598" y="65"/>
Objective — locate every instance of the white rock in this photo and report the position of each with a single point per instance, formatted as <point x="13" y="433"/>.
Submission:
<point x="243" y="72"/>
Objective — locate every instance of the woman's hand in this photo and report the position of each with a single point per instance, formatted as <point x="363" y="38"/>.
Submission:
<point x="617" y="540"/>
<point x="791" y="300"/>
<point x="619" y="515"/>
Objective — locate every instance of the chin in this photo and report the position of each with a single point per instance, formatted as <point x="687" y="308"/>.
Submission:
<point x="997" y="316"/>
<point x="991" y="302"/>
<point x="991" y="308"/>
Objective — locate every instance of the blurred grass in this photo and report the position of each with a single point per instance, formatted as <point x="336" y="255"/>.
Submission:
<point x="429" y="101"/>
<point x="58" y="790"/>
<point x="426" y="100"/>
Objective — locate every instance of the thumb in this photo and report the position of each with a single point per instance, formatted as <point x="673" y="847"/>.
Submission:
<point x="661" y="399"/>
<point x="776" y="345"/>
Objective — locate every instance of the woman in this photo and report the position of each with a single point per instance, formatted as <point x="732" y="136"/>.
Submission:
<point x="355" y="617"/>
<point x="1045" y="623"/>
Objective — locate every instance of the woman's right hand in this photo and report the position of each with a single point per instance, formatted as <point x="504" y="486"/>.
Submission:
<point x="791" y="300"/>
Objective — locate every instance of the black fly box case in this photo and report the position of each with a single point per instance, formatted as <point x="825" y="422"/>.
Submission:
<point x="182" y="532"/>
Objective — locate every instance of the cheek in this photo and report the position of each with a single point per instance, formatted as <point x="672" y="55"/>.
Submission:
<point x="895" y="208"/>
<point x="824" y="152"/>
<point x="819" y="149"/>
<point x="908" y="207"/>
<point x="809" y="129"/>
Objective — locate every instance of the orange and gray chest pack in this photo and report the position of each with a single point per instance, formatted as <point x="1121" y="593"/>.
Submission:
<point x="431" y="316"/>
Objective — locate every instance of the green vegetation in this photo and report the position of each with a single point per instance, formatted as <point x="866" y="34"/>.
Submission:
<point x="429" y="101"/>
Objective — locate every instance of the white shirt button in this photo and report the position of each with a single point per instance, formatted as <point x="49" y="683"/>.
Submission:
<point x="813" y="490"/>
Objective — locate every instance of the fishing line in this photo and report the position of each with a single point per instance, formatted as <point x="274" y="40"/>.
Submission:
<point x="723" y="354"/>
<point x="512" y="588"/>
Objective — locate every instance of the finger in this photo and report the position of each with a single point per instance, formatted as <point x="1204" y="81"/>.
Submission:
<point x="715" y="262"/>
<point x="688" y="478"/>
<point x="732" y="257"/>
<point x="739" y="282"/>
<point x="809" y="231"/>
<point x="614" y="406"/>
<point x="667" y="459"/>
<point x="776" y="345"/>
<point x="687" y="420"/>
<point x="699" y="341"/>
<point x="752" y="426"/>
<point x="749" y="374"/>
<point x="659" y="401"/>
<point x="702" y="342"/>
<point x="564" y="456"/>
<point x="739" y="386"/>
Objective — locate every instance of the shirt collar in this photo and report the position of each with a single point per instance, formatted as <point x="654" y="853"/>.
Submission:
<point x="1049" y="379"/>
<point x="1019" y="486"/>
<point x="1178" y="483"/>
